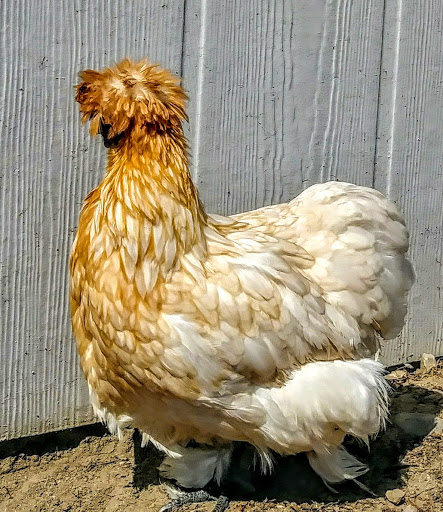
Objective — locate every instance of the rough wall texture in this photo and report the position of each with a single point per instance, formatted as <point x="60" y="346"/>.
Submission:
<point x="282" y="94"/>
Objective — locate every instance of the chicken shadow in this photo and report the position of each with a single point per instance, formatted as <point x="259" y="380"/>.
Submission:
<point x="413" y="413"/>
<point x="146" y="461"/>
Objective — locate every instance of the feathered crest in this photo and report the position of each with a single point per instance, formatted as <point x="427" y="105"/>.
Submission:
<point x="130" y="96"/>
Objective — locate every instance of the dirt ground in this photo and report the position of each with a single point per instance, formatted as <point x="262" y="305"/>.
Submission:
<point x="87" y="470"/>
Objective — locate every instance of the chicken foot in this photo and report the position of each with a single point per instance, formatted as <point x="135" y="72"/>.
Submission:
<point x="189" y="498"/>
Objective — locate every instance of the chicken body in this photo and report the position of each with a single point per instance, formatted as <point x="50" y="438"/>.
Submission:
<point x="257" y="327"/>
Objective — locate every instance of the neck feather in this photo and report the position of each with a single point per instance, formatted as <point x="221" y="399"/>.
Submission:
<point x="149" y="203"/>
<point x="156" y="165"/>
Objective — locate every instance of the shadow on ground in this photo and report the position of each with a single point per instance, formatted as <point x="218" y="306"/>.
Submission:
<point x="146" y="462"/>
<point x="413" y="412"/>
<point x="51" y="442"/>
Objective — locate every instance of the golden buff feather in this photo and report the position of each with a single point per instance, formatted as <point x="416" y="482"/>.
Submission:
<point x="259" y="327"/>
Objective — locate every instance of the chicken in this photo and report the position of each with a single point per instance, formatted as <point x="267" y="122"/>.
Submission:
<point x="260" y="327"/>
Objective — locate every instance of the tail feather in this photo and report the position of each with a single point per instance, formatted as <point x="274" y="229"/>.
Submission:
<point x="336" y="465"/>
<point x="363" y="253"/>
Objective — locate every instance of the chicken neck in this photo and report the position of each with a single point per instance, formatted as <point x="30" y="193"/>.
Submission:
<point x="148" y="177"/>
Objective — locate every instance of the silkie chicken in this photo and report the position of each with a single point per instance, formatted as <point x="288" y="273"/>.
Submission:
<point x="260" y="327"/>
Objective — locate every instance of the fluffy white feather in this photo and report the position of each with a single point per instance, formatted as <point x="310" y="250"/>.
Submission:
<point x="320" y="403"/>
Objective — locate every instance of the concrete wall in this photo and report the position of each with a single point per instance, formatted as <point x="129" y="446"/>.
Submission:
<point x="283" y="94"/>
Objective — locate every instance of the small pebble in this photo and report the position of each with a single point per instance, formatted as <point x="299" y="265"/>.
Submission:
<point x="408" y="367"/>
<point x="427" y="362"/>
<point x="410" y="508"/>
<point x="395" y="496"/>
<point x="398" y="374"/>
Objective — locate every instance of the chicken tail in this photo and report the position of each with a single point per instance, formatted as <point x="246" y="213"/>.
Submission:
<point x="130" y="99"/>
<point x="336" y="465"/>
<point x="359" y="241"/>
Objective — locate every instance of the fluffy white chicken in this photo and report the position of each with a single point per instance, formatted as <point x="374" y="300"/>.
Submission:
<point x="259" y="327"/>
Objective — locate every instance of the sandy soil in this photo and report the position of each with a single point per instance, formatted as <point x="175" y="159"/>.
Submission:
<point x="87" y="470"/>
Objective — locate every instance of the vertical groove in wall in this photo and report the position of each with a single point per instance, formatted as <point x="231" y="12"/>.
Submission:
<point x="387" y="104"/>
<point x="199" y="89"/>
<point x="379" y="98"/>
<point x="339" y="48"/>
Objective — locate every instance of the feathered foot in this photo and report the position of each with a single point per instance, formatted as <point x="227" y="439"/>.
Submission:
<point x="189" y="498"/>
<point x="195" y="467"/>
